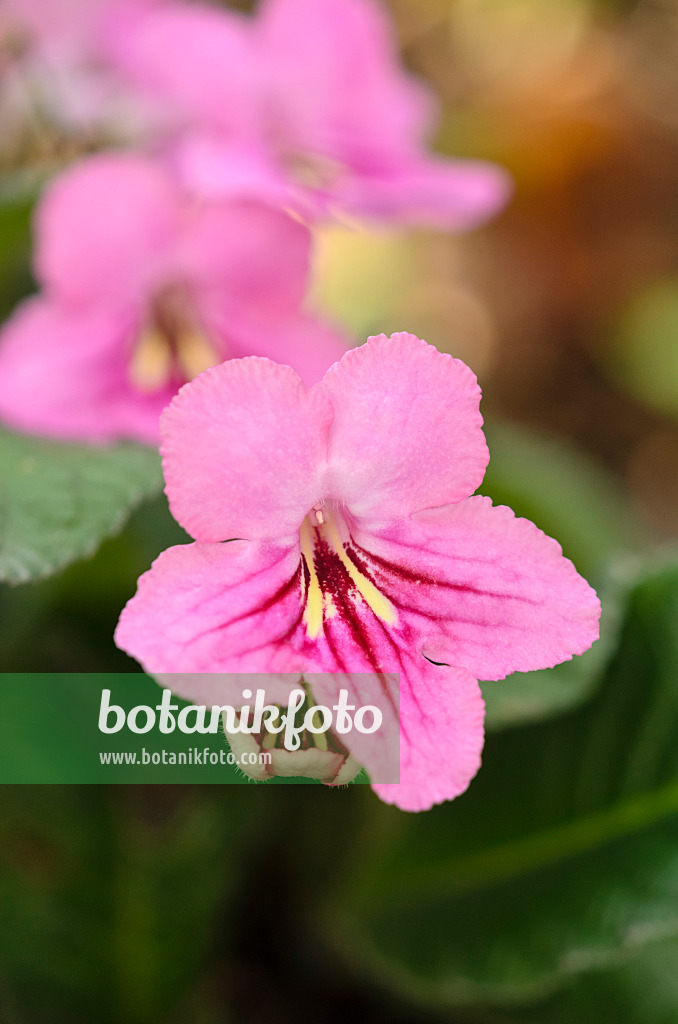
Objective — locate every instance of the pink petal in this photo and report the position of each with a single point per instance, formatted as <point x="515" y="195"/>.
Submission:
<point x="247" y="255"/>
<point x="441" y="741"/>
<point x="216" y="166"/>
<point x="481" y="589"/>
<point x="242" y="449"/>
<point x="338" y="93"/>
<point x="239" y="607"/>
<point x="236" y="607"/>
<point x="336" y="81"/>
<point x="378" y="752"/>
<point x="407" y="431"/>
<point x="62" y="24"/>
<point x="197" y="61"/>
<point x="453" y="194"/>
<point x="227" y="687"/>
<point x="105" y="229"/>
<point x="66" y="375"/>
<point x="303" y="342"/>
<point x="215" y="608"/>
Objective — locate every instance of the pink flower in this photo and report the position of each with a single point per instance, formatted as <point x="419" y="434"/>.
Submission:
<point x="308" y="106"/>
<point x="354" y="547"/>
<point x="142" y="289"/>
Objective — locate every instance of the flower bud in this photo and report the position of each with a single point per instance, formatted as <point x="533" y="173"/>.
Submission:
<point x="262" y="755"/>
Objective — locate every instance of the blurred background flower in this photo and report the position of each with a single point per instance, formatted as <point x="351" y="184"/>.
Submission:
<point x="143" y="288"/>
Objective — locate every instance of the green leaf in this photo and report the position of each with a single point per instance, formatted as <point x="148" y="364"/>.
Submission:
<point x="561" y="859"/>
<point x="569" y="495"/>
<point x="110" y="896"/>
<point x="532" y="696"/>
<point x="643" y="990"/>
<point x="526" y="697"/>
<point x="15" y="249"/>
<point x="58" y="501"/>
<point x="577" y="501"/>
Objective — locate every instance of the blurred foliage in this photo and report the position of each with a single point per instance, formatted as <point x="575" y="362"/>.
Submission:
<point x="15" y="249"/>
<point x="108" y="898"/>
<point x="568" y="494"/>
<point x="573" y="498"/>
<point x="644" y="357"/>
<point x="644" y="990"/>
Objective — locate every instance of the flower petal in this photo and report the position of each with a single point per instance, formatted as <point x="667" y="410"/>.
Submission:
<point x="441" y="741"/>
<point x="341" y="94"/>
<point x="481" y="589"/>
<point x="453" y="194"/>
<point x="235" y="608"/>
<point x="407" y="433"/>
<point x="66" y="375"/>
<point x="243" y="446"/>
<point x="214" y="608"/>
<point x="216" y="166"/>
<point x="336" y="79"/>
<point x="196" y="61"/>
<point x="247" y="255"/>
<point x="379" y="751"/>
<point x="105" y="229"/>
<point x="303" y="342"/>
<point x="240" y="607"/>
<point x="228" y="687"/>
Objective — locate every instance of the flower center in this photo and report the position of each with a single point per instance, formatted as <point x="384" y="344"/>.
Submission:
<point x="173" y="347"/>
<point x="15" y="43"/>
<point x="320" y="755"/>
<point x="333" y="575"/>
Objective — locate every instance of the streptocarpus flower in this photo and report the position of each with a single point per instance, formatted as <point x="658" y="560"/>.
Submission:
<point x="307" y="105"/>
<point x="143" y="288"/>
<point x="353" y="545"/>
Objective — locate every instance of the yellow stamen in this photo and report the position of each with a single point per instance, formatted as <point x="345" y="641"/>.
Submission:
<point x="380" y="605"/>
<point x="313" y="613"/>
<point x="151" y="364"/>
<point x="155" y="357"/>
<point x="195" y="353"/>
<point x="319" y="606"/>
